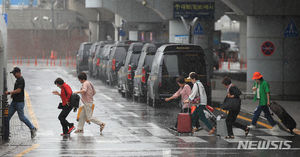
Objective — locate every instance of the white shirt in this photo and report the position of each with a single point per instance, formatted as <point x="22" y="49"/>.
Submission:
<point x="195" y="93"/>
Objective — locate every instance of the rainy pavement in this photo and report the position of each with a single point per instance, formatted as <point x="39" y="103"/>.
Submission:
<point x="132" y="129"/>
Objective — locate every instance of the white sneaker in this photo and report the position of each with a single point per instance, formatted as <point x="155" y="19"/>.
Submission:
<point x="252" y="126"/>
<point x="275" y="128"/>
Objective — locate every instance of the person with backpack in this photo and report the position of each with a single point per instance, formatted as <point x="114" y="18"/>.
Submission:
<point x="232" y="103"/>
<point x="65" y="105"/>
<point x="198" y="92"/>
<point x="87" y="93"/>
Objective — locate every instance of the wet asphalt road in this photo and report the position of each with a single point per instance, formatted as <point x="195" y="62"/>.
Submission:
<point x="132" y="129"/>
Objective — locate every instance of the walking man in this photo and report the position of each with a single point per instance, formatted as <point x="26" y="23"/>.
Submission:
<point x="87" y="93"/>
<point x="17" y="103"/>
<point x="261" y="89"/>
<point x="65" y="95"/>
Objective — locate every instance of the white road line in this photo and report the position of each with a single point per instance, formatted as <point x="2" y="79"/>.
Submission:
<point x="119" y="105"/>
<point x="153" y="125"/>
<point x="134" y="114"/>
<point x="192" y="139"/>
<point x="107" y="97"/>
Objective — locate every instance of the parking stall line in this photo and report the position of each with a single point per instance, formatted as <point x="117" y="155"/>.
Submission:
<point x="30" y="111"/>
<point x="107" y="97"/>
<point x="119" y="105"/>
<point x="134" y="114"/>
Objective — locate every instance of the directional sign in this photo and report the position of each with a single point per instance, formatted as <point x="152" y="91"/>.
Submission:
<point x="198" y="30"/>
<point x="291" y="30"/>
<point x="267" y="48"/>
<point x="122" y="33"/>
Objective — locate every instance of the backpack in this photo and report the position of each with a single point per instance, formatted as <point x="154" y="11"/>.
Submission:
<point x="74" y="101"/>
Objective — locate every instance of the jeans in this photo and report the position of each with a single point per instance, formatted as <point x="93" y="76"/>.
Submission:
<point x="230" y="120"/>
<point x="199" y="114"/>
<point x="62" y="117"/>
<point x="266" y="110"/>
<point x="19" y="107"/>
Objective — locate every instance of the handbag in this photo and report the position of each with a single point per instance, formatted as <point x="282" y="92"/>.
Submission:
<point x="60" y="106"/>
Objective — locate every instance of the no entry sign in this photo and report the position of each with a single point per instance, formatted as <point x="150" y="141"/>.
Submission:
<point x="267" y="48"/>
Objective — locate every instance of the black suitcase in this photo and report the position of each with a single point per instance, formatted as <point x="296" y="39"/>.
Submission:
<point x="285" y="118"/>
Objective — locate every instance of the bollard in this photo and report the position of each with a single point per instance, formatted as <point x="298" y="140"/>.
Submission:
<point x="21" y="60"/>
<point x="28" y="62"/>
<point x="60" y="61"/>
<point x="74" y="64"/>
<point x="35" y="62"/>
<point x="67" y="63"/>
<point x="14" y="60"/>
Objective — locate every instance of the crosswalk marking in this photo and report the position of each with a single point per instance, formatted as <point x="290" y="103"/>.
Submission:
<point x="275" y="132"/>
<point x="192" y="139"/>
<point x="272" y="138"/>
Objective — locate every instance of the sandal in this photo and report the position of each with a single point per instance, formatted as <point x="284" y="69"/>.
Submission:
<point x="247" y="131"/>
<point x="211" y="131"/>
<point x="229" y="137"/>
<point x="78" y="131"/>
<point x="102" y="127"/>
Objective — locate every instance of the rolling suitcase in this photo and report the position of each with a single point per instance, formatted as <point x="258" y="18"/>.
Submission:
<point x="285" y="118"/>
<point x="184" y="122"/>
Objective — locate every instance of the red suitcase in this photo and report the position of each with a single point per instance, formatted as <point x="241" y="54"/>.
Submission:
<point x="184" y="123"/>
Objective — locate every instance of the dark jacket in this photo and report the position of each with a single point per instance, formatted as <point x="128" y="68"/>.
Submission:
<point x="235" y="102"/>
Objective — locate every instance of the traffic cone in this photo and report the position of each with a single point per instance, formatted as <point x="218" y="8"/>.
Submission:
<point x="35" y="62"/>
<point x="52" y="55"/>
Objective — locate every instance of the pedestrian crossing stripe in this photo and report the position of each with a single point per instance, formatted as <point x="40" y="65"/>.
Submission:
<point x="291" y="30"/>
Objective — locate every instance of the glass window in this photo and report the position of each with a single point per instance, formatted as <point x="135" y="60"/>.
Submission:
<point x="134" y="59"/>
<point x="148" y="61"/>
<point x="183" y="64"/>
<point x="120" y="54"/>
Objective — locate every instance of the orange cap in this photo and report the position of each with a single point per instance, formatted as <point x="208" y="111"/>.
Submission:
<point x="256" y="76"/>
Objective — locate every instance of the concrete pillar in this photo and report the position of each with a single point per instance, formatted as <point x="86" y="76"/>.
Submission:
<point x="93" y="27"/>
<point x="117" y="24"/>
<point x="243" y="40"/>
<point x="281" y="68"/>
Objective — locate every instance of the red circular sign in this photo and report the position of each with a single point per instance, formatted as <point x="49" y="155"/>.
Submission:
<point x="267" y="48"/>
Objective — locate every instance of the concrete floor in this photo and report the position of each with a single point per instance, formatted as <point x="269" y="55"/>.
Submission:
<point x="133" y="129"/>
